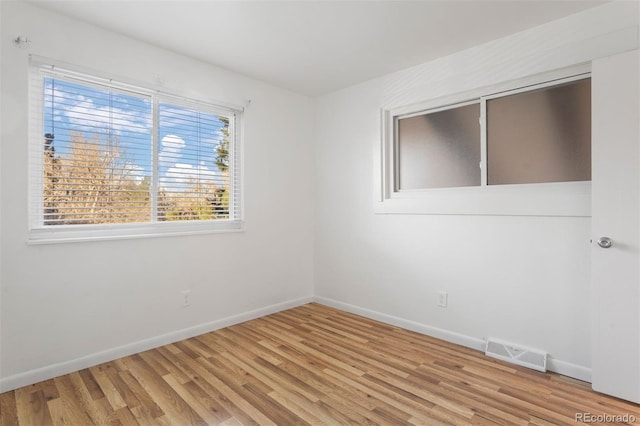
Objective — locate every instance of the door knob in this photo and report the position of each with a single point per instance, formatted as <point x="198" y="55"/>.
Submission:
<point x="605" y="242"/>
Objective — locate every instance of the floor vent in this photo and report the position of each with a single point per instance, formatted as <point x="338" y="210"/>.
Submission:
<point x="516" y="354"/>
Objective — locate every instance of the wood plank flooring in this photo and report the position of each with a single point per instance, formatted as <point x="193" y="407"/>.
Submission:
<point x="309" y="365"/>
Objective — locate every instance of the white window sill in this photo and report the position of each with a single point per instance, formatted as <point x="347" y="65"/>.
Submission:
<point x="85" y="233"/>
<point x="571" y="199"/>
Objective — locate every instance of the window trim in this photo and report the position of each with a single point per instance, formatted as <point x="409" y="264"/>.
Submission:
<point x="532" y="199"/>
<point x="38" y="233"/>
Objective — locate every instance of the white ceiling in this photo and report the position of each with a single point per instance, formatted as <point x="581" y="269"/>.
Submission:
<point x="315" y="47"/>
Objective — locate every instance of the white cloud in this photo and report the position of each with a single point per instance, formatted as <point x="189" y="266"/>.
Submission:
<point x="83" y="114"/>
<point x="172" y="142"/>
<point x="86" y="116"/>
<point x="182" y="175"/>
<point x="170" y="149"/>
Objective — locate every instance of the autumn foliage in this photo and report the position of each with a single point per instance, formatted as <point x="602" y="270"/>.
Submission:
<point x="94" y="182"/>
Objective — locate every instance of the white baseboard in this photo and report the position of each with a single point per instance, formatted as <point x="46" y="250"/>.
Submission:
<point x="568" y="369"/>
<point x="55" y="370"/>
<point x="557" y="366"/>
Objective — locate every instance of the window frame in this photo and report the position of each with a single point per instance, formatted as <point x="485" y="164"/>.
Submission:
<point x="39" y="233"/>
<point x="531" y="199"/>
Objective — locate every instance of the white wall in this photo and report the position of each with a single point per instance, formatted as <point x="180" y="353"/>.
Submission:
<point x="63" y="307"/>
<point x="520" y="278"/>
<point x="67" y="306"/>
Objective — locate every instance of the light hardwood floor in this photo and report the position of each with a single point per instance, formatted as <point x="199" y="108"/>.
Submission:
<point x="308" y="365"/>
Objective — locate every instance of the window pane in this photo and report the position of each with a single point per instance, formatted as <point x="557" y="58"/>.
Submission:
<point x="193" y="164"/>
<point x="440" y="149"/>
<point x="540" y="136"/>
<point x="97" y="155"/>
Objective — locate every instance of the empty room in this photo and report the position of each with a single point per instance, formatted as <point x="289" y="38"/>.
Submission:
<point x="319" y="212"/>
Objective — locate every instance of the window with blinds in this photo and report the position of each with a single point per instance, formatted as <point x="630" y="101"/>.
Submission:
<point x="106" y="155"/>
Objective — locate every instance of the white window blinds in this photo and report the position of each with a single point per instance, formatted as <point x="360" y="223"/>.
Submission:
<point x="109" y="154"/>
<point x="193" y="164"/>
<point x="96" y="155"/>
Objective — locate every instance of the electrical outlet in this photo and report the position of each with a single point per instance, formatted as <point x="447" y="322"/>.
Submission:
<point x="442" y="299"/>
<point x="186" y="298"/>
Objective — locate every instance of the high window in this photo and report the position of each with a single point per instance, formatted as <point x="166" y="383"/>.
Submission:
<point x="113" y="160"/>
<point x="494" y="151"/>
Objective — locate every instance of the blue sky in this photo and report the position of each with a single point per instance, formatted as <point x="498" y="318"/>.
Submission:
<point x="187" y="138"/>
